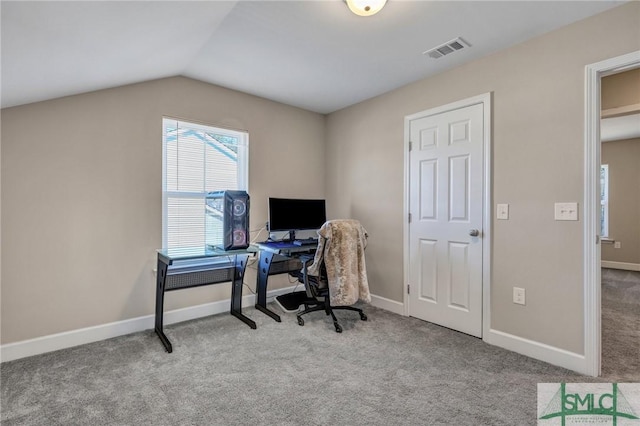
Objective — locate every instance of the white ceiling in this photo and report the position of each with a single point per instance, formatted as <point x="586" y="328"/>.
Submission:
<point x="315" y="55"/>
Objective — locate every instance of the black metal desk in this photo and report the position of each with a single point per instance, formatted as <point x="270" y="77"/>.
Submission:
<point x="192" y="267"/>
<point x="277" y="258"/>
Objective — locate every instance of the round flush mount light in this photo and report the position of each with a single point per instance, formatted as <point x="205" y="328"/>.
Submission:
<point x="366" y="7"/>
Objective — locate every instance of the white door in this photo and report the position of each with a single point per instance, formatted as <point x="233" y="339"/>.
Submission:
<point x="445" y="232"/>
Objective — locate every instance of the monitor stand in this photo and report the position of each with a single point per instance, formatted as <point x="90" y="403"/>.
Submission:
<point x="291" y="302"/>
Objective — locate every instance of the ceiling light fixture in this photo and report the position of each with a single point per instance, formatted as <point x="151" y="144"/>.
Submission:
<point x="366" y="7"/>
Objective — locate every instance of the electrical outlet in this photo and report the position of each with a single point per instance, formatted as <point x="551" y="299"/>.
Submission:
<point x="518" y="295"/>
<point x="617" y="244"/>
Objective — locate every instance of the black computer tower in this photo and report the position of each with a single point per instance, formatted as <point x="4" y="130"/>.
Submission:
<point x="227" y="220"/>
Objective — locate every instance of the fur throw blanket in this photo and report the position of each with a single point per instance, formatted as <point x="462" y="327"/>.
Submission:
<point x="341" y="244"/>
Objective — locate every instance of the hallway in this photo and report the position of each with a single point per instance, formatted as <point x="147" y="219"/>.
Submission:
<point x="621" y="325"/>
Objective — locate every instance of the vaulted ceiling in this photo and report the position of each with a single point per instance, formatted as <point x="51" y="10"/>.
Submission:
<point x="316" y="55"/>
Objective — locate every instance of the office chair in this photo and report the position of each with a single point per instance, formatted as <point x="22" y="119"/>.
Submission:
<point x="335" y="277"/>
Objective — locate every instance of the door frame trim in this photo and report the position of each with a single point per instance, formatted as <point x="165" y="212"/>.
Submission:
<point x="591" y="254"/>
<point x="484" y="99"/>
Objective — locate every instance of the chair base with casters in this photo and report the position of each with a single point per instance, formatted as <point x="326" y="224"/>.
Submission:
<point x="318" y="297"/>
<point x="329" y="311"/>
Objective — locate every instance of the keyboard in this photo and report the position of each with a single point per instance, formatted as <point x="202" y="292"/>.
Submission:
<point x="306" y="242"/>
<point x="277" y="244"/>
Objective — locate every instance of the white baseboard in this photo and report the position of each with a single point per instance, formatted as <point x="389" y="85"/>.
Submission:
<point x="40" y="345"/>
<point x="387" y="304"/>
<point x="620" y="265"/>
<point x="530" y="348"/>
<point x="540" y="351"/>
<point x="82" y="336"/>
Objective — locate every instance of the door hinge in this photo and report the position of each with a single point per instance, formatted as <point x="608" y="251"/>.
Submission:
<point x="410" y="146"/>
<point x="409" y="217"/>
<point x="408" y="288"/>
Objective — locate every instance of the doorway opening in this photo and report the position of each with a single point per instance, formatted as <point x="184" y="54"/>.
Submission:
<point x="593" y="213"/>
<point x="620" y="224"/>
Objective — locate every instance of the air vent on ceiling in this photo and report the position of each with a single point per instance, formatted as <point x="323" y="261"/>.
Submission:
<point x="446" y="48"/>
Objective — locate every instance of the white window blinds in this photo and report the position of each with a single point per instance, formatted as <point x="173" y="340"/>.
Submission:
<point x="197" y="159"/>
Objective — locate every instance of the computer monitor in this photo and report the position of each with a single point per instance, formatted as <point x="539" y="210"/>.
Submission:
<point x="295" y="214"/>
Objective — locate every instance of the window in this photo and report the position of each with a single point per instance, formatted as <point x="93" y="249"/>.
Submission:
<point x="604" y="200"/>
<point x="197" y="159"/>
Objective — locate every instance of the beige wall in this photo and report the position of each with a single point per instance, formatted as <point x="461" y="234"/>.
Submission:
<point x="81" y="197"/>
<point x="81" y="177"/>
<point x="538" y="157"/>
<point x="623" y="158"/>
<point x="621" y="89"/>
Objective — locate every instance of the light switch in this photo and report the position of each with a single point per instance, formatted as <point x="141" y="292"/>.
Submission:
<point x="518" y="295"/>
<point x="502" y="211"/>
<point x="566" y="211"/>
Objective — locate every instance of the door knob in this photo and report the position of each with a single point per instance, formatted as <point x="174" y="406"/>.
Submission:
<point x="474" y="232"/>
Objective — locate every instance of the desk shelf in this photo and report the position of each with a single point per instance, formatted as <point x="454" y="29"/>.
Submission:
<point x="197" y="276"/>
<point x="274" y="260"/>
<point x="186" y="268"/>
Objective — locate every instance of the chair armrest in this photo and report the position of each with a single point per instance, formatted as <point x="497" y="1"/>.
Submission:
<point x="307" y="261"/>
<point x="310" y="281"/>
<point x="305" y="258"/>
